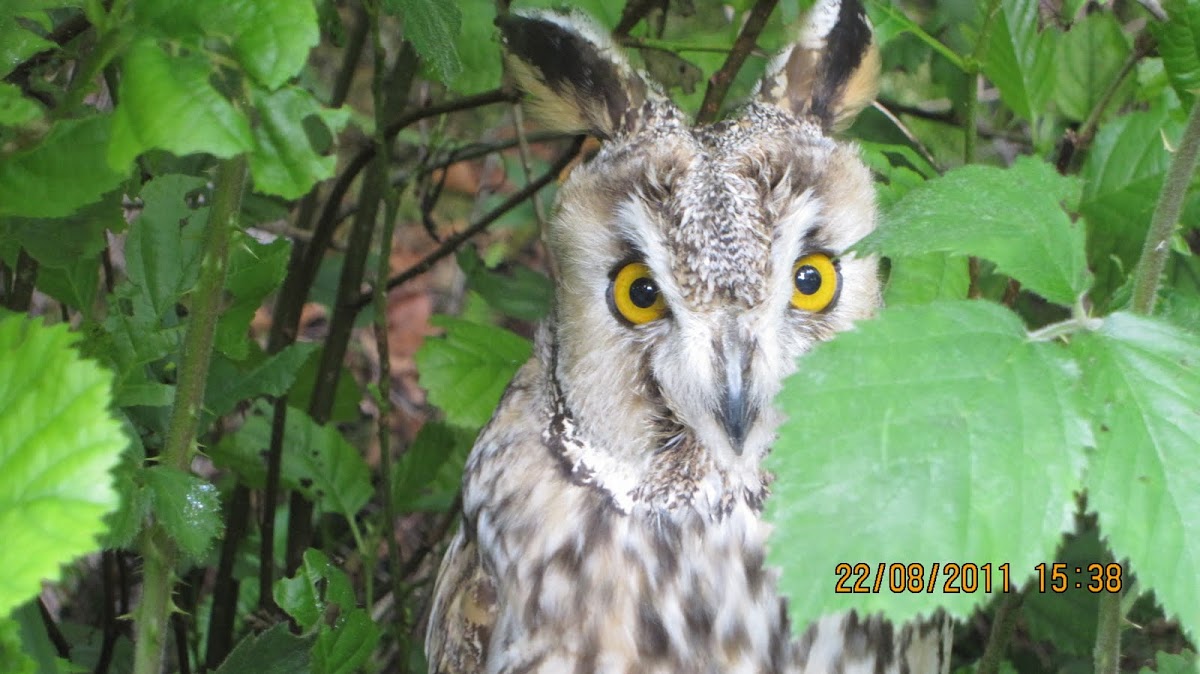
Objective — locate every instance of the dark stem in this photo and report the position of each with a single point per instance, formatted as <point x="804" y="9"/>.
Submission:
<point x="635" y="11"/>
<point x="225" y="589"/>
<point x="718" y="84"/>
<point x="342" y="322"/>
<point x="20" y="293"/>
<point x="451" y="243"/>
<point x="61" y="646"/>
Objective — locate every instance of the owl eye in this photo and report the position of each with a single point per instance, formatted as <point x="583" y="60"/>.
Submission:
<point x="815" y="282"/>
<point x="634" y="294"/>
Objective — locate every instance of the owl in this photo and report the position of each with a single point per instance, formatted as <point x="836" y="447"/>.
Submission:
<point x="611" y="509"/>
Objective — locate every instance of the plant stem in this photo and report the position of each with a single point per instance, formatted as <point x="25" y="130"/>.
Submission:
<point x="158" y="550"/>
<point x="382" y="269"/>
<point x="671" y="46"/>
<point x="1003" y="625"/>
<point x="1107" y="654"/>
<point x="1166" y="216"/>
<point x="973" y="68"/>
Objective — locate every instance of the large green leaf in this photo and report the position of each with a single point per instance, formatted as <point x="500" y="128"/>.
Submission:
<point x="936" y="434"/>
<point x="478" y="48"/>
<point x="1142" y="381"/>
<point x="317" y="460"/>
<point x="168" y="102"/>
<point x="58" y="445"/>
<point x="63" y="172"/>
<point x="1013" y="217"/>
<point x="467" y="370"/>
<point x="271" y="38"/>
<point x="1179" y="44"/>
<point x="68" y="241"/>
<point x="432" y="26"/>
<point x="1087" y="60"/>
<point x="1020" y="58"/>
<point x="1122" y="176"/>
<point x="284" y="162"/>
<point x="347" y="645"/>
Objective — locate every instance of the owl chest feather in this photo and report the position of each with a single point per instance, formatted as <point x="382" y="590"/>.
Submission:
<point x="595" y="571"/>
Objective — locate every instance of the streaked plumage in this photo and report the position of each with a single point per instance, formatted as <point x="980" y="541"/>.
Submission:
<point x="611" y="508"/>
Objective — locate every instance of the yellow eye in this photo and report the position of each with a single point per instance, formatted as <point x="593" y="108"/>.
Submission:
<point x="815" y="282"/>
<point x="635" y="296"/>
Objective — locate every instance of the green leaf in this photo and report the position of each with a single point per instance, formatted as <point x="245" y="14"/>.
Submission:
<point x="1122" y="176"/>
<point x="69" y="241"/>
<point x="478" y="48"/>
<point x="317" y="587"/>
<point x="58" y="445"/>
<point x="255" y="271"/>
<point x="276" y="651"/>
<point x="345" y="647"/>
<point x="283" y="161"/>
<point x="316" y="460"/>
<point x="345" y="399"/>
<point x="1087" y="60"/>
<point x="432" y="26"/>
<point x="16" y="42"/>
<point x="1068" y="620"/>
<point x="163" y="248"/>
<point x="522" y="293"/>
<point x="15" y="109"/>
<point x="12" y="656"/>
<point x="428" y="474"/>
<point x="1013" y="217"/>
<point x="1169" y="663"/>
<point x="1142" y="379"/>
<point x="62" y="173"/>
<point x="188" y="507"/>
<point x="1020" y="58"/>
<point x="230" y="383"/>
<point x="271" y="38"/>
<point x="467" y="370"/>
<point x="925" y="278"/>
<point x="167" y="102"/>
<point x="1179" y="44"/>
<point x="935" y="433"/>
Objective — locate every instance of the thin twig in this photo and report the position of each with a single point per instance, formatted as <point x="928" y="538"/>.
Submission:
<point x="912" y="138"/>
<point x="451" y="244"/>
<point x="323" y="232"/>
<point x="718" y="84"/>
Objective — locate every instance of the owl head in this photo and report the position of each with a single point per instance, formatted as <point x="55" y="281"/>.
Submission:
<point x="694" y="264"/>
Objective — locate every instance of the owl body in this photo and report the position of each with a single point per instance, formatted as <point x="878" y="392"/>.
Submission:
<point x="612" y="507"/>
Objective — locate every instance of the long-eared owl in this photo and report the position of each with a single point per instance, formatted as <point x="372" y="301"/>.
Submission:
<point x="611" y="517"/>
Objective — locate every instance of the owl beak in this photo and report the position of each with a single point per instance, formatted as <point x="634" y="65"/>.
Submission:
<point x="737" y="411"/>
<point x="736" y="416"/>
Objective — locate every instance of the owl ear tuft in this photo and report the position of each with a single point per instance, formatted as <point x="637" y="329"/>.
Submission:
<point x="831" y="71"/>
<point x="577" y="78"/>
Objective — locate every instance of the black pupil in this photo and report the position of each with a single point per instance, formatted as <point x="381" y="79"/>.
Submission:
<point x="643" y="293"/>
<point x="808" y="280"/>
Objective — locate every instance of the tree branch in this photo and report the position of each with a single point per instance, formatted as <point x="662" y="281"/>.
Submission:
<point x="451" y="244"/>
<point x="718" y="84"/>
